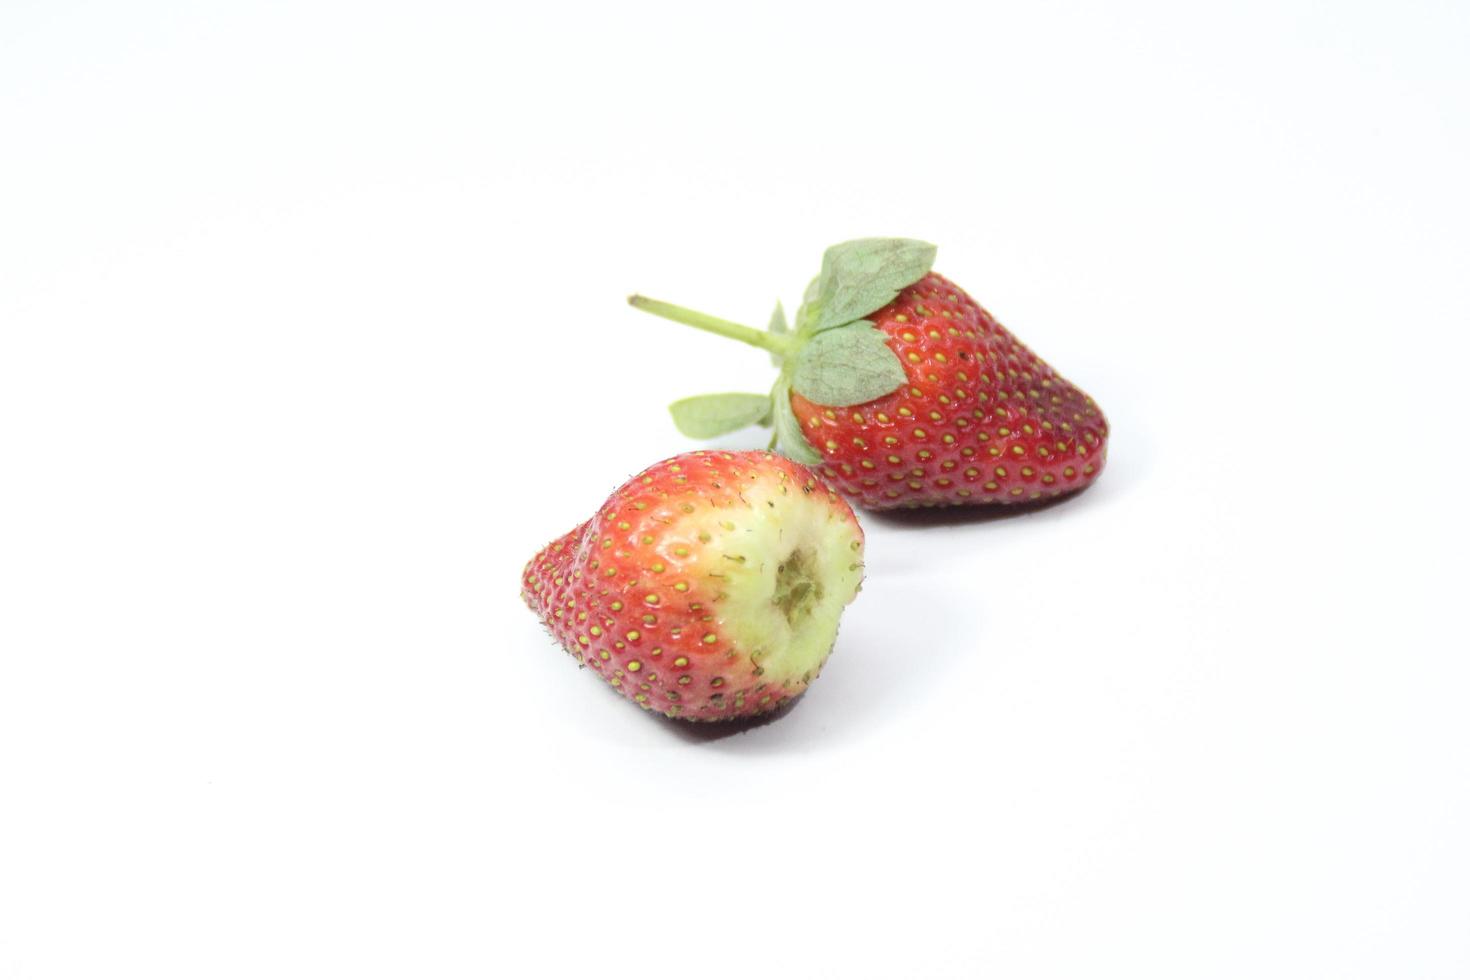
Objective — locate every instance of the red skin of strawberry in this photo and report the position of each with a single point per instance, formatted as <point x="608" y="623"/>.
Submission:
<point x="981" y="420"/>
<point x="630" y="595"/>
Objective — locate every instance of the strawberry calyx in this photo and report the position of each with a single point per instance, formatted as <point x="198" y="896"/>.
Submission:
<point x="832" y="356"/>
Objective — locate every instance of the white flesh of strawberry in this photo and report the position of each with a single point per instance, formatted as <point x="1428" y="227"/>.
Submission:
<point x="787" y="567"/>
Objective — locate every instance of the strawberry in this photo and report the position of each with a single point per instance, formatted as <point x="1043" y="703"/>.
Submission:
<point x="707" y="587"/>
<point x="904" y="391"/>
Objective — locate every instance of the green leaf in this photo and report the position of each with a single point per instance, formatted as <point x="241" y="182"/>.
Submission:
<point x="778" y="327"/>
<point x="847" y="366"/>
<point x="806" y="314"/>
<point x="778" y="320"/>
<point x="789" y="438"/>
<point x="861" y="276"/>
<point x="707" y="416"/>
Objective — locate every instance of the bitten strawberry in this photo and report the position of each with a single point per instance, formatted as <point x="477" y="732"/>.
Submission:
<point x="707" y="587"/>
<point x="903" y="391"/>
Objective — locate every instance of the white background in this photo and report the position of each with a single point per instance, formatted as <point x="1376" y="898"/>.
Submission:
<point x="312" y="332"/>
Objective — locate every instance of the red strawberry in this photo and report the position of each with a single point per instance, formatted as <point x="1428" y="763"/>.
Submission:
<point x="904" y="391"/>
<point x="707" y="587"/>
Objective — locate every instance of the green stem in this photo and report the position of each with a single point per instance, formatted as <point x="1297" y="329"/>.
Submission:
<point x="774" y="343"/>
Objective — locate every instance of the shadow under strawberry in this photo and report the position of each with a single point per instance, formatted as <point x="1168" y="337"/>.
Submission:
<point x="958" y="516"/>
<point x="701" y="732"/>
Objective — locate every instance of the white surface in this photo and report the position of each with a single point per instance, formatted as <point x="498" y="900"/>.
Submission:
<point x="311" y="332"/>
